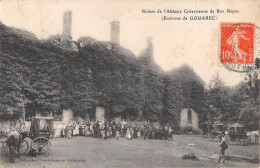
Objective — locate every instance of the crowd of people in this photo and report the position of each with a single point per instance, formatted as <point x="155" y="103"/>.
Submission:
<point x="113" y="129"/>
<point x="100" y="129"/>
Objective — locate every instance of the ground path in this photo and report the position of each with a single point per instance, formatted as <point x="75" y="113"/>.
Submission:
<point x="90" y="152"/>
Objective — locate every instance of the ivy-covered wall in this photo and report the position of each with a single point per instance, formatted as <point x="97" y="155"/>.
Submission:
<point x="39" y="76"/>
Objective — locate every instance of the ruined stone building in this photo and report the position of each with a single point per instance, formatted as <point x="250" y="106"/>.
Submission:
<point x="189" y="118"/>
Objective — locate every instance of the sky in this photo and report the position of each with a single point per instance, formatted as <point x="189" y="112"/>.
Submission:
<point x="176" y="42"/>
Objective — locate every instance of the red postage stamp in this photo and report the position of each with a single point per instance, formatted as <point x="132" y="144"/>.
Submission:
<point x="237" y="43"/>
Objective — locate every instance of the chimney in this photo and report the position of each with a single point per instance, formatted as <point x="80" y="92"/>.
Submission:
<point x="115" y="32"/>
<point x="67" y="20"/>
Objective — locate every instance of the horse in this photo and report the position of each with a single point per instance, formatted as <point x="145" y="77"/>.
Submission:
<point x="13" y="141"/>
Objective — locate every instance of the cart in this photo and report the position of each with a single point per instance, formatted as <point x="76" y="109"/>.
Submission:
<point x="215" y="130"/>
<point x="237" y="135"/>
<point x="41" y="131"/>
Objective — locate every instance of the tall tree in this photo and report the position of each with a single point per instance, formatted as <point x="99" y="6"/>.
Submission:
<point x="216" y="96"/>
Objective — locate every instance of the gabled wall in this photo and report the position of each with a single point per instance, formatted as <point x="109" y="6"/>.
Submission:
<point x="184" y="119"/>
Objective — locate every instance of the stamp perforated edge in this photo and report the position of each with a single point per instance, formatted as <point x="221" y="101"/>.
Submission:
<point x="255" y="43"/>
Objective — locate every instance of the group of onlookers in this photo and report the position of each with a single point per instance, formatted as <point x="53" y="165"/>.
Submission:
<point x="100" y="129"/>
<point x="254" y="136"/>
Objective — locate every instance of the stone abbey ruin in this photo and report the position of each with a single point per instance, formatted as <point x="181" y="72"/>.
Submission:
<point x="58" y="73"/>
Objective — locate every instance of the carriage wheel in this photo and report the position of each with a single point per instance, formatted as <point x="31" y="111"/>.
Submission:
<point x="239" y="141"/>
<point x="245" y="140"/>
<point x="40" y="146"/>
<point x="249" y="140"/>
<point x="10" y="154"/>
<point x="24" y="147"/>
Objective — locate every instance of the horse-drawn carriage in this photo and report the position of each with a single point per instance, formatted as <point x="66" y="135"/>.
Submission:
<point x="237" y="135"/>
<point x="41" y="130"/>
<point x="215" y="129"/>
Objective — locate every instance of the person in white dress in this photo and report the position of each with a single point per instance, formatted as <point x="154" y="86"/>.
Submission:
<point x="76" y="130"/>
<point x="128" y="134"/>
<point x="91" y="128"/>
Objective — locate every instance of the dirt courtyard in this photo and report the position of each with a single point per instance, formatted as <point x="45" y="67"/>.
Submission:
<point x="90" y="152"/>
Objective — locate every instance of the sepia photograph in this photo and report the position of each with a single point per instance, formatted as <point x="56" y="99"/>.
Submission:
<point x="129" y="83"/>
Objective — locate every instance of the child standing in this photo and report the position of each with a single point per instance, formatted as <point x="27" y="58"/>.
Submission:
<point x="69" y="133"/>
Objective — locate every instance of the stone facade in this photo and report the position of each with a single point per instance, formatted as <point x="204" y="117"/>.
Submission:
<point x="46" y="114"/>
<point x="7" y="125"/>
<point x="67" y="116"/>
<point x="100" y="114"/>
<point x="189" y="118"/>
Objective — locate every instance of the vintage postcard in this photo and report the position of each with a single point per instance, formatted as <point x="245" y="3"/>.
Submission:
<point x="130" y="83"/>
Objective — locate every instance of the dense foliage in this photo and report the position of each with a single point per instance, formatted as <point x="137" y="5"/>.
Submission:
<point x="55" y="74"/>
<point x="30" y="78"/>
<point x="238" y="104"/>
